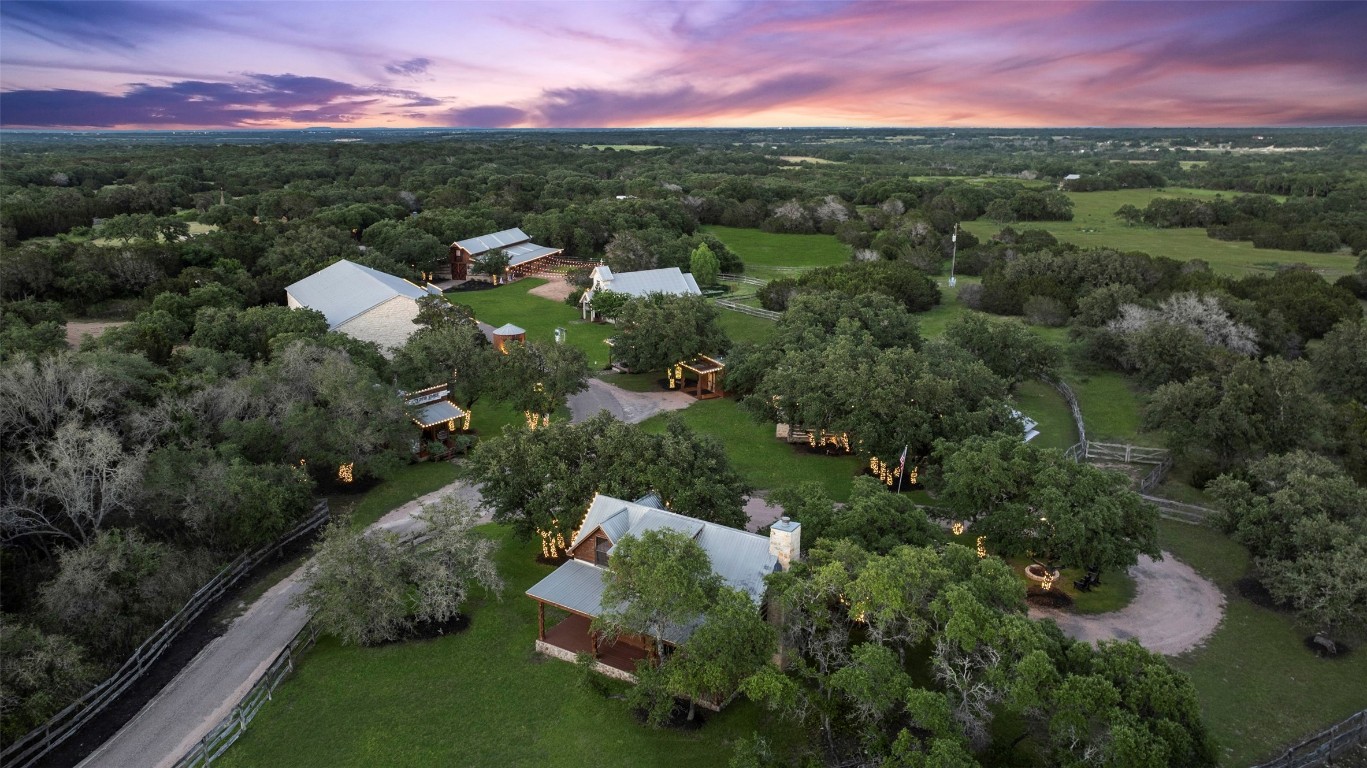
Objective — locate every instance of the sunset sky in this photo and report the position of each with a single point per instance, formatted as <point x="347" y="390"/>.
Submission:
<point x="589" y="64"/>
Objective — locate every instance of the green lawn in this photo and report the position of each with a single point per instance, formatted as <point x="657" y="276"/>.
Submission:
<point x="477" y="698"/>
<point x="1045" y="405"/>
<point x="744" y="328"/>
<point x="538" y="316"/>
<point x="761" y="251"/>
<point x="1094" y="225"/>
<point x="765" y="462"/>
<point x="1259" y="687"/>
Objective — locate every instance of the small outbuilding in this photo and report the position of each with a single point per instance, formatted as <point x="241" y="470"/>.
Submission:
<point x="437" y="417"/>
<point x="508" y="333"/>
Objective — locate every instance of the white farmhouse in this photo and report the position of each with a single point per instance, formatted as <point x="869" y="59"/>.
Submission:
<point x="361" y="302"/>
<point x="670" y="280"/>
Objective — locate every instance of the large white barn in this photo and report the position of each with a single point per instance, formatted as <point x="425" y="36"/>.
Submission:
<point x="361" y="302"/>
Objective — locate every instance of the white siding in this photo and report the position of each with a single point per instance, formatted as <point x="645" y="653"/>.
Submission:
<point x="292" y="302"/>
<point x="388" y="324"/>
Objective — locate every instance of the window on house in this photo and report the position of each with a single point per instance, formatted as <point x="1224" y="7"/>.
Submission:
<point x="600" y="551"/>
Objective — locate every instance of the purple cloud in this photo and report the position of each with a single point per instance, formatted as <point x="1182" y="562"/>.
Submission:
<point x="259" y="99"/>
<point x="409" y="67"/>
<point x="97" y="25"/>
<point x="485" y="117"/>
<point x="589" y="107"/>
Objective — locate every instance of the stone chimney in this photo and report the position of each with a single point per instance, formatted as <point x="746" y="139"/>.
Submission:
<point x="785" y="541"/>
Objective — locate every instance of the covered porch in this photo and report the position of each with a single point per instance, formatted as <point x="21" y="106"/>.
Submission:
<point x="701" y="377"/>
<point x="573" y="636"/>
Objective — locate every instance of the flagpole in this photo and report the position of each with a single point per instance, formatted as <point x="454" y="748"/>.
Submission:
<point x="902" y="469"/>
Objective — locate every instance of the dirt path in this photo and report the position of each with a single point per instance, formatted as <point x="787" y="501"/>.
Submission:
<point x="76" y="330"/>
<point x="1174" y="610"/>
<point x="211" y="685"/>
<point x="555" y="289"/>
<point x="631" y="407"/>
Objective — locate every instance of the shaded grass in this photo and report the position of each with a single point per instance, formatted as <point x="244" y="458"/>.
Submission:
<point x="633" y="382"/>
<point x="477" y="698"/>
<point x="744" y="328"/>
<point x="760" y="250"/>
<point x="1116" y="591"/>
<point x="538" y="316"/>
<point x="1094" y="225"/>
<point x="1045" y="405"/>
<point x="408" y="483"/>
<point x="1260" y="689"/>
<point x="764" y="461"/>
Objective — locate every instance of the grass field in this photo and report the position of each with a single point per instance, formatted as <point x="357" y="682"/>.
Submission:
<point x="741" y="327"/>
<point x="765" y="462"/>
<point x="477" y="698"/>
<point x="1259" y="687"/>
<point x="1094" y="225"/>
<point x="623" y="147"/>
<point x="1045" y="405"/>
<point x="762" y="251"/>
<point x="539" y="316"/>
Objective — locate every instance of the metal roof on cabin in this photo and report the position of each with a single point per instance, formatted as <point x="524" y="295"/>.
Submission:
<point x="576" y="585"/>
<point x="741" y="558"/>
<point x="651" y="499"/>
<point x="436" y="413"/>
<point x="346" y="289"/>
<point x="477" y="245"/>
<point x="508" y="329"/>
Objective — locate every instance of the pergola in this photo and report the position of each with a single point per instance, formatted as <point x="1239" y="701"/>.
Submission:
<point x="705" y="380"/>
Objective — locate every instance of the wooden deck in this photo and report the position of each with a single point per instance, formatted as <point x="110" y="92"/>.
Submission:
<point x="572" y="634"/>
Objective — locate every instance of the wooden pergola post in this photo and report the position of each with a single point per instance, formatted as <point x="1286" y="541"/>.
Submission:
<point x="540" y="620"/>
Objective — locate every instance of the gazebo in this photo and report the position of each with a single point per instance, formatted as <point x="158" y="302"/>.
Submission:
<point x="700" y="377"/>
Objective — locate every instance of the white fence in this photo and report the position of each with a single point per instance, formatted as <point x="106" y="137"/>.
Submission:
<point x="34" y="745"/>
<point x="748" y="310"/>
<point x="231" y="727"/>
<point x="741" y="279"/>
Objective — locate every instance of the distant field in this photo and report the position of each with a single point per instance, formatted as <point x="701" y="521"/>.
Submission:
<point x="1094" y="225"/>
<point x="808" y="159"/>
<point x="761" y="251"/>
<point x="623" y="147"/>
<point x="540" y="317"/>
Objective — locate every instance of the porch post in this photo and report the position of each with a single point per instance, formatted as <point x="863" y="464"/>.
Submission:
<point x="593" y="643"/>
<point x="540" y="620"/>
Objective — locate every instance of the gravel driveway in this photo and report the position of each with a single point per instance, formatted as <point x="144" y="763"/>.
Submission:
<point x="1174" y="610"/>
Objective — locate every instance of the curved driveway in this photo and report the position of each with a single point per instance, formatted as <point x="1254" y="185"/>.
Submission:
<point x="1174" y="610"/>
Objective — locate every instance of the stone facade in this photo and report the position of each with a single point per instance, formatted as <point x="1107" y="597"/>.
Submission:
<point x="388" y="324"/>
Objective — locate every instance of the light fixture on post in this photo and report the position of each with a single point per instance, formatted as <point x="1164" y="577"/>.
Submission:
<point x="953" y="253"/>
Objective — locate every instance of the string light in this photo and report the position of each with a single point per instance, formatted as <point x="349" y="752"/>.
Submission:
<point x="450" y="425"/>
<point x="957" y="528"/>
<point x="344" y="472"/>
<point x="1047" y="583"/>
<point x="465" y="424"/>
<point x="982" y="546"/>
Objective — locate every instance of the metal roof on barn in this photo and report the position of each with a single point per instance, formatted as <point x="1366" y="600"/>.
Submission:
<point x="347" y="289"/>
<point x="508" y="237"/>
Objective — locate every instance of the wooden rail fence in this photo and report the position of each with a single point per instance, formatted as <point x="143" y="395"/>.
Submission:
<point x="747" y="310"/>
<point x="34" y="745"/>
<point x="741" y="279"/>
<point x="235" y="723"/>
<point x="1325" y="745"/>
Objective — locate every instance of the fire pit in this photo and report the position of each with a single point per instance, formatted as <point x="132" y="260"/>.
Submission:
<point x="1037" y="572"/>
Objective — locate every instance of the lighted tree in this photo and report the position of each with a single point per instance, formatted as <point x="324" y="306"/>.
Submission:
<point x="492" y="263"/>
<point x="538" y="378"/>
<point x="1031" y="501"/>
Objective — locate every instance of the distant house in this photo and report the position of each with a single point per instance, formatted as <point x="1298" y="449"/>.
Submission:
<point x="361" y="302"/>
<point x="670" y="280"/>
<point x="742" y="559"/>
<point x="524" y="256"/>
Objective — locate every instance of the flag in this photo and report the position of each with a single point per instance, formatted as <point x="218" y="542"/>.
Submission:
<point x="902" y="463"/>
